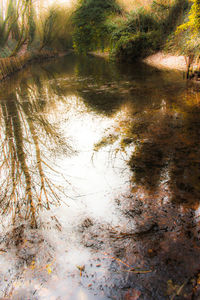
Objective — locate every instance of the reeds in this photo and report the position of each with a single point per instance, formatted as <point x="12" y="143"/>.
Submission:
<point x="10" y="65"/>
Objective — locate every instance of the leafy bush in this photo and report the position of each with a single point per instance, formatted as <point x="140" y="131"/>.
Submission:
<point x="90" y="30"/>
<point x="138" y="21"/>
<point x="187" y="35"/>
<point x="144" y="31"/>
<point x="134" y="46"/>
<point x="137" y="36"/>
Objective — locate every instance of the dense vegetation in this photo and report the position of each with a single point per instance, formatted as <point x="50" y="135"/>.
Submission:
<point x="90" y="25"/>
<point x="127" y="35"/>
<point x="90" y="28"/>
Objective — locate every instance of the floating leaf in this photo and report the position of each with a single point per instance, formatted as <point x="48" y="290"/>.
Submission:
<point x="81" y="268"/>
<point x="32" y="266"/>
<point x="132" y="294"/>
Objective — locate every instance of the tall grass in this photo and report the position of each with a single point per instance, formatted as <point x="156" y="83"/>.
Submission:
<point x="130" y="5"/>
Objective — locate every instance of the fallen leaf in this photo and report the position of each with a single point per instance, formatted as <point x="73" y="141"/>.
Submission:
<point x="81" y="269"/>
<point x="198" y="279"/>
<point x="132" y="294"/>
<point x="32" y="266"/>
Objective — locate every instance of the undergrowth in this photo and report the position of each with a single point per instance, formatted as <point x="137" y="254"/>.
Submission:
<point x="128" y="30"/>
<point x="127" y="34"/>
<point x="144" y="31"/>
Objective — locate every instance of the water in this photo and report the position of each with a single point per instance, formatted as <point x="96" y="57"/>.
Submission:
<point x="99" y="182"/>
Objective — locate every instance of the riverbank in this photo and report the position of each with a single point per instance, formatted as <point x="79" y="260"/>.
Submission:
<point x="159" y="60"/>
<point x="166" y="60"/>
<point x="10" y="65"/>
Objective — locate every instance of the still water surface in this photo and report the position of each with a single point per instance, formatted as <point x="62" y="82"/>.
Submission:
<point x="100" y="182"/>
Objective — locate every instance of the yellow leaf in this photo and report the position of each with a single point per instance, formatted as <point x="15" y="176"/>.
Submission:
<point x="49" y="270"/>
<point x="32" y="266"/>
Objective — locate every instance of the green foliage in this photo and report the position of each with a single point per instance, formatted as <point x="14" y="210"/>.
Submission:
<point x="138" y="21"/>
<point x="90" y="30"/>
<point x="99" y="24"/>
<point x="187" y="35"/>
<point x="160" y="8"/>
<point x="193" y="23"/>
<point x="141" y="20"/>
<point x="185" y="39"/>
<point x="143" y="32"/>
<point x="132" y="46"/>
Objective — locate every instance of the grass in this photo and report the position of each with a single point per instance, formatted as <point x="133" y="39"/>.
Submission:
<point x="130" y="5"/>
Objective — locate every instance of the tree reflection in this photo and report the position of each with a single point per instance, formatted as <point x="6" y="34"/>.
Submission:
<point x="162" y="205"/>
<point x="157" y="125"/>
<point x="164" y="142"/>
<point x="27" y="137"/>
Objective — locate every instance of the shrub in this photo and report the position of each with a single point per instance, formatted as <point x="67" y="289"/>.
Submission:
<point x="133" y="46"/>
<point x="90" y="30"/>
<point x="145" y="31"/>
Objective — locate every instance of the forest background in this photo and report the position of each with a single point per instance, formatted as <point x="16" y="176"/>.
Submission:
<point x="125" y="30"/>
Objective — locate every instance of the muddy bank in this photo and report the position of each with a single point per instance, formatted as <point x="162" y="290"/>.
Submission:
<point x="159" y="60"/>
<point x="168" y="61"/>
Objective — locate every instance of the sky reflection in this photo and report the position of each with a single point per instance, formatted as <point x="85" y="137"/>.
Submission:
<point x="104" y="154"/>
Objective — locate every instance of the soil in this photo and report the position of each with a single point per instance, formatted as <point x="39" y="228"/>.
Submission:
<point x="168" y="61"/>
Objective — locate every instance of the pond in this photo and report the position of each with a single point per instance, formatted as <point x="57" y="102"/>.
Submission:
<point x="100" y="182"/>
